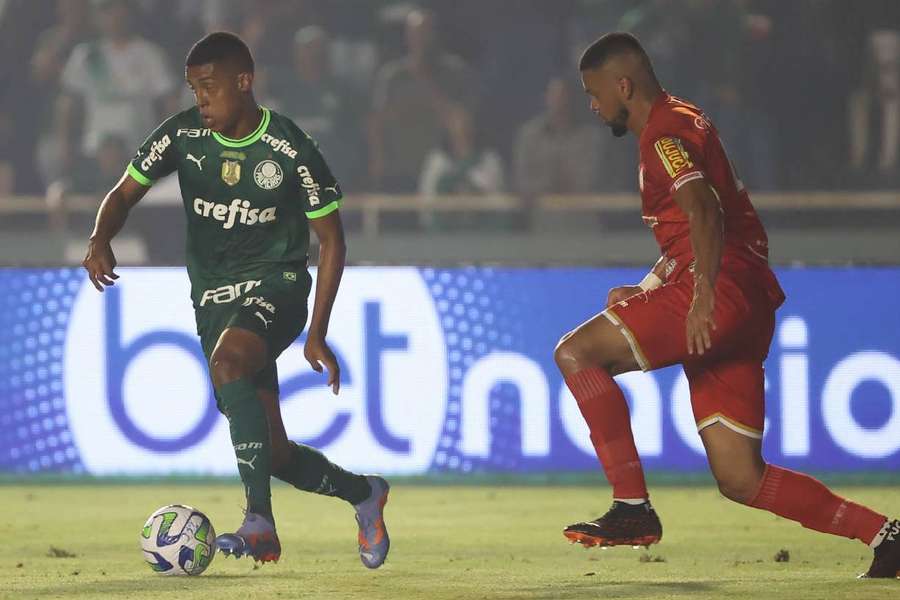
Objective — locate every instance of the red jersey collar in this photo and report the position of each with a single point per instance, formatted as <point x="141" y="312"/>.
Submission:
<point x="660" y="101"/>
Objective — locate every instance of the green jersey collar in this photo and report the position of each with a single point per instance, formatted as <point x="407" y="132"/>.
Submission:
<point x="246" y="141"/>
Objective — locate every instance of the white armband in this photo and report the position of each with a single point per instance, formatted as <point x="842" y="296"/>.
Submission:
<point x="650" y="282"/>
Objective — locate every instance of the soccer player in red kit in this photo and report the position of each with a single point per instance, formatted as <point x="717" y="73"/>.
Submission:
<point x="708" y="304"/>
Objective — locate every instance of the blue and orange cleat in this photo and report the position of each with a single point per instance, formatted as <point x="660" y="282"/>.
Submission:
<point x="374" y="542"/>
<point x="256" y="537"/>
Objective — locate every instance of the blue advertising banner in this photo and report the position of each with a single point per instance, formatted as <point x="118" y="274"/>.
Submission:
<point x="444" y="370"/>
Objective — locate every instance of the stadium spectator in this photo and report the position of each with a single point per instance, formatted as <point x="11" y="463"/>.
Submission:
<point x="268" y="26"/>
<point x="460" y="166"/>
<point x="412" y="95"/>
<point x="53" y="48"/>
<point x="97" y="173"/>
<point x="718" y="41"/>
<point x="875" y="104"/>
<point x="716" y="36"/>
<point x="666" y="34"/>
<point x="511" y="73"/>
<point x="7" y="152"/>
<point x="808" y="42"/>
<point x="56" y="43"/>
<point x="120" y="81"/>
<point x="322" y="105"/>
<point x="557" y="152"/>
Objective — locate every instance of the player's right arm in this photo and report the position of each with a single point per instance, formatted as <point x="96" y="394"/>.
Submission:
<point x="651" y="281"/>
<point x="100" y="260"/>
<point x="155" y="159"/>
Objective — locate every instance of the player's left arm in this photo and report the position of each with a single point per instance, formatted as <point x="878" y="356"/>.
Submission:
<point x="701" y="205"/>
<point x="321" y="196"/>
<point x="332" y="254"/>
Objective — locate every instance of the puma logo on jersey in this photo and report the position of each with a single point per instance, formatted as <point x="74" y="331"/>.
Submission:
<point x="249" y="463"/>
<point x="325" y="487"/>
<point x="196" y="160"/>
<point x="238" y="211"/>
<point x="333" y="188"/>
<point x="265" y="321"/>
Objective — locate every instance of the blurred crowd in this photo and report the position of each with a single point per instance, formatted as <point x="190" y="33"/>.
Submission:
<point x="462" y="97"/>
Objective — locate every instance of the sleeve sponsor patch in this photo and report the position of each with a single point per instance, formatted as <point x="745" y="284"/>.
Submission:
<point x="674" y="157"/>
<point x="318" y="187"/>
<point x="156" y="157"/>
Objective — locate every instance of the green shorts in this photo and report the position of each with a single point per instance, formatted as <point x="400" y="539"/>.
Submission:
<point x="273" y="306"/>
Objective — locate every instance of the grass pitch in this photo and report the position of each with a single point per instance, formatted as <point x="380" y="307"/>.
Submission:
<point x="81" y="541"/>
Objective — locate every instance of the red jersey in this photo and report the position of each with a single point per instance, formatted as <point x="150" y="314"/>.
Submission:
<point x="678" y="145"/>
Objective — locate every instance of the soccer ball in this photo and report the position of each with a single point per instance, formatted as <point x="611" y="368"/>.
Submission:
<point x="178" y="540"/>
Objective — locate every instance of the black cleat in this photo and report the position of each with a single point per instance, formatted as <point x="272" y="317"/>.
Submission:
<point x="623" y="525"/>
<point x="887" y="554"/>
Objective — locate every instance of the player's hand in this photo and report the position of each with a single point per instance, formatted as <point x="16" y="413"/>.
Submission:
<point x="99" y="263"/>
<point x="318" y="354"/>
<point x="617" y="294"/>
<point x="699" y="320"/>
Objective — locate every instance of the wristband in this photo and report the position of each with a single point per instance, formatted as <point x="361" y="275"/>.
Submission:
<point x="650" y="282"/>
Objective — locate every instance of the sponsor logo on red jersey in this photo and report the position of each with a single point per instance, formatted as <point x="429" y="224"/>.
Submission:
<point x="673" y="156"/>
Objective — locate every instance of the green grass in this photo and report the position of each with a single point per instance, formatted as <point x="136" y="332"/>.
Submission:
<point x="448" y="541"/>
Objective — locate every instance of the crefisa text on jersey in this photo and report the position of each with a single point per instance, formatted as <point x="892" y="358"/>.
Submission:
<point x="309" y="184"/>
<point x="239" y="210"/>
<point x="156" y="151"/>
<point x="279" y="145"/>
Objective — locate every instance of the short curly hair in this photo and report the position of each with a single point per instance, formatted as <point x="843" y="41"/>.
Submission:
<point x="221" y="46"/>
<point x="609" y="46"/>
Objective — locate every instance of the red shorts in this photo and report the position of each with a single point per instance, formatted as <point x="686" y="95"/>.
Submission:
<point x="726" y="382"/>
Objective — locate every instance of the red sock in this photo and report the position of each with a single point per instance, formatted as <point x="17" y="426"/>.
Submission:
<point x="604" y="408"/>
<point x="801" y="498"/>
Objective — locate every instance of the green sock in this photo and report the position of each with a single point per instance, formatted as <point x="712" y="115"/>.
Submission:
<point x="250" y="436"/>
<point x="307" y="469"/>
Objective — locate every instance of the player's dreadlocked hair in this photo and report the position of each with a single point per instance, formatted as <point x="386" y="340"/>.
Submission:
<point x="221" y="46"/>
<point x="608" y="46"/>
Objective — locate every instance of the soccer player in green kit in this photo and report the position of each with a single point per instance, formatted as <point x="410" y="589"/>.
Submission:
<point x="253" y="183"/>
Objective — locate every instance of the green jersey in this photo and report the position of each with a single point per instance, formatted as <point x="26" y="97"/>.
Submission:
<point x="247" y="201"/>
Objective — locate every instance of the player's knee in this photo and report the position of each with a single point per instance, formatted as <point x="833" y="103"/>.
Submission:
<point x="567" y="354"/>
<point x="575" y="352"/>
<point x="737" y="486"/>
<point x="227" y="365"/>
